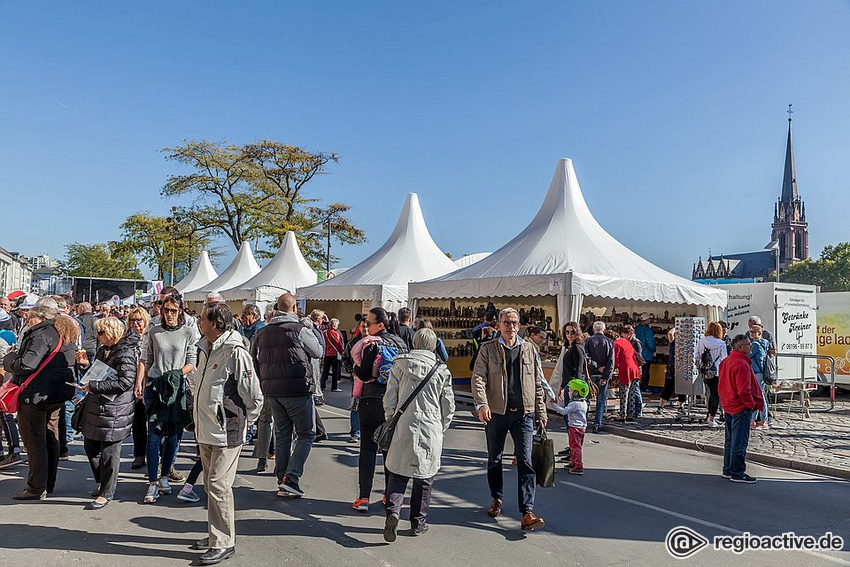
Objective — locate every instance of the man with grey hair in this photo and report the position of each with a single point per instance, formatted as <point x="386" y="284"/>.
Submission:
<point x="765" y="334"/>
<point x="508" y="396"/>
<point x="600" y="361"/>
<point x="251" y="322"/>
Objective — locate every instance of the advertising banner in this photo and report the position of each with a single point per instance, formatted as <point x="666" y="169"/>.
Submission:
<point x="833" y="333"/>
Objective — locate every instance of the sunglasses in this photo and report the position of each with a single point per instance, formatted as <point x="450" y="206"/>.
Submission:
<point x="168" y="311"/>
<point x="571" y="333"/>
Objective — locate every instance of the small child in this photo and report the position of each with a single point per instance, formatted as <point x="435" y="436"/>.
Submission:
<point x="575" y="414"/>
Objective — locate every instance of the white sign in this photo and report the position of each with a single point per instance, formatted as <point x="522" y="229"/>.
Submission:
<point x="556" y="284"/>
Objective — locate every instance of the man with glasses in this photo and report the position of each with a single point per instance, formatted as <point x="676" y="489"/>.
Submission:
<point x="508" y="396"/>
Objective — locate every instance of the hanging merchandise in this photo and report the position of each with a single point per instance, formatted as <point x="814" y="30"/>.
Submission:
<point x="689" y="330"/>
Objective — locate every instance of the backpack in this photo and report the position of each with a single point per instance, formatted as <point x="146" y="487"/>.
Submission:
<point x="706" y="368"/>
<point x="384" y="356"/>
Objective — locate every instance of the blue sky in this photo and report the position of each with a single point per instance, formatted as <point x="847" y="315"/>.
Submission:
<point x="673" y="113"/>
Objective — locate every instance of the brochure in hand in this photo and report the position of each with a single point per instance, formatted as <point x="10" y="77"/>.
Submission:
<point x="99" y="371"/>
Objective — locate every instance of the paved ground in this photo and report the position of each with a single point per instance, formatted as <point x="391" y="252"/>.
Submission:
<point x="619" y="512"/>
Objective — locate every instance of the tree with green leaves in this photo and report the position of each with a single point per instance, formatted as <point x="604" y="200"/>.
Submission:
<point x="257" y="192"/>
<point x="102" y="260"/>
<point x="164" y="242"/>
<point x="831" y="271"/>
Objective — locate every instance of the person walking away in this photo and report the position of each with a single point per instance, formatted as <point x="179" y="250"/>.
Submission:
<point x="348" y="361"/>
<point x="441" y="351"/>
<point x="713" y="344"/>
<point x="47" y="351"/>
<point x="170" y="354"/>
<point x="740" y="396"/>
<point x="600" y="361"/>
<point x="109" y="406"/>
<point x="646" y="336"/>
<point x="508" y="396"/>
<point x="417" y="442"/>
<point x="405" y="329"/>
<point x="318" y="397"/>
<point x="333" y="355"/>
<point x="629" y="335"/>
<point x="227" y="398"/>
<point x="628" y="373"/>
<point x="758" y="356"/>
<point x="575" y="414"/>
<point x="281" y="352"/>
<point x="379" y="347"/>
<point x="670" y="376"/>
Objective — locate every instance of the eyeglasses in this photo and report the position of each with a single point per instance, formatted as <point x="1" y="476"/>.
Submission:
<point x="510" y="323"/>
<point x="136" y="320"/>
<point x="168" y="311"/>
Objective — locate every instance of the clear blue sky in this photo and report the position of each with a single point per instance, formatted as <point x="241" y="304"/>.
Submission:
<point x="673" y="112"/>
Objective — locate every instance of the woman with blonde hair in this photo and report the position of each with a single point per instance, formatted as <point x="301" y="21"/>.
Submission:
<point x="109" y="406"/>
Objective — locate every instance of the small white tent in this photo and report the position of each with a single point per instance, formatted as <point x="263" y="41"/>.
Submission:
<point x="409" y="255"/>
<point x="241" y="269"/>
<point x="565" y="253"/>
<point x="470" y="259"/>
<point x="200" y="275"/>
<point x="287" y="271"/>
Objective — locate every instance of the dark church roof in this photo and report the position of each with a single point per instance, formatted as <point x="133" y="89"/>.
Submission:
<point x="747" y="265"/>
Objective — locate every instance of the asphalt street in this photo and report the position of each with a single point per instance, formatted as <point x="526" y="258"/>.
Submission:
<point x="631" y="495"/>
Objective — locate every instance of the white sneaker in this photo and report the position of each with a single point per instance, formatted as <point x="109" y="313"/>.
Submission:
<point x="152" y="494"/>
<point x="713" y="423"/>
<point x="188" y="496"/>
<point x="164" y="487"/>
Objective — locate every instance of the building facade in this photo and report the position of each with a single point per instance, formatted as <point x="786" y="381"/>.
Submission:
<point x="15" y="272"/>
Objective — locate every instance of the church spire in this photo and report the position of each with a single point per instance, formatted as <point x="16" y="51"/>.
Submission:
<point x="789" y="179"/>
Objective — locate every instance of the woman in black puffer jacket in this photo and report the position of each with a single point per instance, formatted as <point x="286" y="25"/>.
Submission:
<point x="107" y="422"/>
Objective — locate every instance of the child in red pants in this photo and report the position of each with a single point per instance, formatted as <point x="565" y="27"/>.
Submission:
<point x="575" y="414"/>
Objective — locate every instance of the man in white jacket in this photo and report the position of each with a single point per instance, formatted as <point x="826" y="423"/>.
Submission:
<point x="227" y="399"/>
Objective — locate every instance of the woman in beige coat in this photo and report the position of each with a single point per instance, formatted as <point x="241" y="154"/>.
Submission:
<point x="418" y="439"/>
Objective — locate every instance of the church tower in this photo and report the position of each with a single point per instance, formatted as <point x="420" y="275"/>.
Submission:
<point x="789" y="216"/>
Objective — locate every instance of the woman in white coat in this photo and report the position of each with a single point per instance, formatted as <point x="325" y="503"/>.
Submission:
<point x="716" y="347"/>
<point x="418" y="439"/>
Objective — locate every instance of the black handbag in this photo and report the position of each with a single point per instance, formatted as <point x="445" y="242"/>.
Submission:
<point x="543" y="458"/>
<point x="384" y="433"/>
<point x="77" y="416"/>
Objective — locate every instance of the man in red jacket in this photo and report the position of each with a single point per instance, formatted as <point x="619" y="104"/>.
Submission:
<point x="740" y="396"/>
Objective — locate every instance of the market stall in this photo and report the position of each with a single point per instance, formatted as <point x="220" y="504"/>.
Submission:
<point x="286" y="272"/>
<point x="563" y="265"/>
<point x="241" y="269"/>
<point x="200" y="275"/>
<point x="408" y="255"/>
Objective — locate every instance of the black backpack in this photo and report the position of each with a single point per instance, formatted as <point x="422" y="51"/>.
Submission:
<point x="706" y="368"/>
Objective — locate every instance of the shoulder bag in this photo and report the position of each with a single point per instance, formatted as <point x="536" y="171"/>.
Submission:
<point x="9" y="392"/>
<point x="384" y="434"/>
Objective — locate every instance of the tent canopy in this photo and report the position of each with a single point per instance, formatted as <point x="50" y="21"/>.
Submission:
<point x="286" y="272"/>
<point x="470" y="259"/>
<point x="241" y="269"/>
<point x="409" y="255"/>
<point x="199" y="276"/>
<point x="566" y="253"/>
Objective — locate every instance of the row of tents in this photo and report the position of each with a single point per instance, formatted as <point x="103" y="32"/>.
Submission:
<point x="563" y="252"/>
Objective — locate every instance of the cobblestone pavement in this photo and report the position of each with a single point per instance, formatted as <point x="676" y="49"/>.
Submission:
<point x="821" y="441"/>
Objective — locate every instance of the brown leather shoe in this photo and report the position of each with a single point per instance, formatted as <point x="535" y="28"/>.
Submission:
<point x="495" y="508"/>
<point x="531" y="522"/>
<point x="25" y="494"/>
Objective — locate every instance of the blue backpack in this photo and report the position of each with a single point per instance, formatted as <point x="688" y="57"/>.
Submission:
<point x="384" y="357"/>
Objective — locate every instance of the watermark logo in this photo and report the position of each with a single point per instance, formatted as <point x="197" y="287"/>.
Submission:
<point x="683" y="542"/>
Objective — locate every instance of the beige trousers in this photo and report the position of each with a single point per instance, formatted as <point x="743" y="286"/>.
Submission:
<point x="219" y="473"/>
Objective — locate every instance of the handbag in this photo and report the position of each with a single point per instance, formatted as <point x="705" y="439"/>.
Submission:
<point x="384" y="433"/>
<point x="593" y="389"/>
<point x="543" y="458"/>
<point x="10" y="393"/>
<point x="77" y="416"/>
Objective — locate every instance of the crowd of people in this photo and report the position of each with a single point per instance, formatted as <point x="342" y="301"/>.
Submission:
<point x="156" y="373"/>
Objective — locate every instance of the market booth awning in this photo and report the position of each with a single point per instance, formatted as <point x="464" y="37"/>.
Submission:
<point x="241" y="269"/>
<point x="565" y="253"/>
<point x="199" y="276"/>
<point x="409" y="255"/>
<point x="286" y="272"/>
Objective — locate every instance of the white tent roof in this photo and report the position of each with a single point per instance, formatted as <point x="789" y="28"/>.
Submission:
<point x="564" y="252"/>
<point x="287" y="271"/>
<point x="200" y="275"/>
<point x="470" y="259"/>
<point x="241" y="269"/>
<point x="409" y="255"/>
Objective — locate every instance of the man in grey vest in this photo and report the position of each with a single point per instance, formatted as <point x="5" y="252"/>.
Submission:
<point x="282" y="351"/>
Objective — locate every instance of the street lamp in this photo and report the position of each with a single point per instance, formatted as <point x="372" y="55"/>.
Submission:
<point x="325" y="231"/>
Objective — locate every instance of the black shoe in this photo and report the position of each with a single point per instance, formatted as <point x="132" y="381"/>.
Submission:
<point x="217" y="555"/>
<point x="563" y="452"/>
<point x="202" y="543"/>
<point x="419" y="531"/>
<point x="290" y="488"/>
<point x="320" y="437"/>
<point x="261" y="466"/>
<point x="391" y="528"/>
<point x="138" y="463"/>
<point x="597" y="429"/>
<point x="747" y="479"/>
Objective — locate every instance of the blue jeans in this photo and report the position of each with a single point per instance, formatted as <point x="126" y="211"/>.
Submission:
<point x="521" y="428"/>
<point x="292" y="414"/>
<point x="169" y="452"/>
<point x="354" y="420"/>
<point x="735" y="443"/>
<point x="638" y="403"/>
<point x="601" y="400"/>
<point x="761" y="415"/>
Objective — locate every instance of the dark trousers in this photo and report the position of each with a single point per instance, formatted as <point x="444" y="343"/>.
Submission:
<point x="40" y="431"/>
<point x="140" y="430"/>
<point x="196" y="471"/>
<point x="320" y="427"/>
<point x="735" y="443"/>
<point x="601" y="399"/>
<point x="104" y="460"/>
<point x="331" y="365"/>
<point x="713" y="395"/>
<point x="371" y="417"/>
<point x="644" y="376"/>
<point x="521" y="428"/>
<point x="670" y="386"/>
<point x="420" y="498"/>
<point x="10" y="432"/>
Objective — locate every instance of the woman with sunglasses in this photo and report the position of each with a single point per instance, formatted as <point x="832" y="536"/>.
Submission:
<point x="137" y="322"/>
<point x="574" y="356"/>
<point x="170" y="354"/>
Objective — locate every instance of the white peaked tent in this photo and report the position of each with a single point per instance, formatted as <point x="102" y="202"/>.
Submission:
<point x="409" y="255"/>
<point x="287" y="271"/>
<point x="199" y="276"/>
<point x="241" y="269"/>
<point x="470" y="259"/>
<point x="565" y="253"/>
